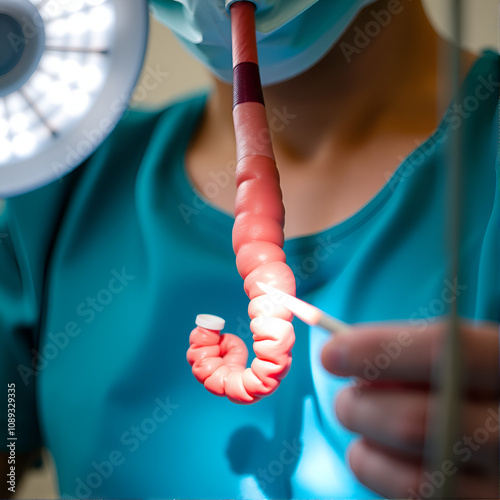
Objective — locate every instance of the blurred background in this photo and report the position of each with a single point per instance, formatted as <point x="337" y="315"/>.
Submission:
<point x="185" y="75"/>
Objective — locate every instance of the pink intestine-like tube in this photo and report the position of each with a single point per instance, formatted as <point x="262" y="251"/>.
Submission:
<point x="219" y="361"/>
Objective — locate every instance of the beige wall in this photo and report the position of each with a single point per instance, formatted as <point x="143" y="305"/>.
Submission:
<point x="481" y="21"/>
<point x="186" y="75"/>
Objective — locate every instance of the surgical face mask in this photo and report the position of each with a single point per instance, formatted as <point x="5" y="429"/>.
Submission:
<point x="292" y="35"/>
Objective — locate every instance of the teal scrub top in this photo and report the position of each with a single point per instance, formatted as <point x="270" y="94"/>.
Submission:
<point x="103" y="273"/>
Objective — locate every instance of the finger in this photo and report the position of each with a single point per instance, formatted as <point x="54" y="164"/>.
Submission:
<point x="394" y="476"/>
<point x="397" y="352"/>
<point x="397" y="418"/>
<point x="389" y="475"/>
<point x="394" y="418"/>
<point x="477" y="447"/>
<point x="383" y="352"/>
<point x="480" y="346"/>
<point x="478" y="487"/>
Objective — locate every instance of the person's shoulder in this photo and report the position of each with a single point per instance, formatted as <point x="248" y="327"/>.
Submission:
<point x="173" y="114"/>
<point x="474" y="112"/>
<point x="481" y="99"/>
<point x="474" y="123"/>
<point x="120" y="154"/>
<point x="482" y="85"/>
<point x="139" y="135"/>
<point x="142" y="134"/>
<point x="141" y="130"/>
<point x="490" y="58"/>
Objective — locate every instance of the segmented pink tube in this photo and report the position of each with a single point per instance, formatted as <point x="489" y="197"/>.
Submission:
<point x="219" y="361"/>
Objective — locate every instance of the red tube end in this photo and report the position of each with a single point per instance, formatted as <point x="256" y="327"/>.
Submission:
<point x="243" y="33"/>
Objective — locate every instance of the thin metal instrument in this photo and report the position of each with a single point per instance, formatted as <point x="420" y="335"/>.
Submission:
<point x="308" y="313"/>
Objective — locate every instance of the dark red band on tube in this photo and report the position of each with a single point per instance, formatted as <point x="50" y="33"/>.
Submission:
<point x="246" y="83"/>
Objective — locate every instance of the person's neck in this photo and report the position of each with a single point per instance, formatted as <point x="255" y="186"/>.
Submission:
<point x="349" y="90"/>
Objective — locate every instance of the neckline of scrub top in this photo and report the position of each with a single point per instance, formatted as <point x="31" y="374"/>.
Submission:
<point x="222" y="222"/>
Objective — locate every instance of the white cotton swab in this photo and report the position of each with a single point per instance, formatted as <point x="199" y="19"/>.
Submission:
<point x="306" y="312"/>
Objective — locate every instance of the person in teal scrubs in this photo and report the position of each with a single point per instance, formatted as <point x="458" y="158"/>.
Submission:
<point x="103" y="273"/>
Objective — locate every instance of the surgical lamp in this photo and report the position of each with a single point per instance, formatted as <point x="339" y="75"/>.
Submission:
<point x="67" y="72"/>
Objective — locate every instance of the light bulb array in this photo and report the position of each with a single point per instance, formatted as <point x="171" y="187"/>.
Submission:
<point x="67" y="71"/>
<point x="71" y="72"/>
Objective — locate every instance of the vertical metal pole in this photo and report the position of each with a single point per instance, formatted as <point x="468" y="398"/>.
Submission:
<point x="446" y="415"/>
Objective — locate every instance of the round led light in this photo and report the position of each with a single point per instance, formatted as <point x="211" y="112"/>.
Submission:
<point x="67" y="72"/>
